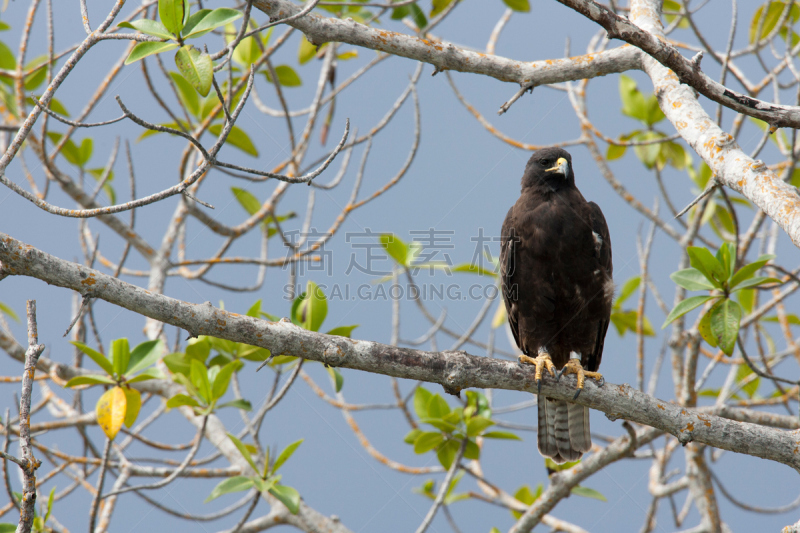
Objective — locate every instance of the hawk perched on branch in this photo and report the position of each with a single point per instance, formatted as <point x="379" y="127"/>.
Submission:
<point x="555" y="262"/>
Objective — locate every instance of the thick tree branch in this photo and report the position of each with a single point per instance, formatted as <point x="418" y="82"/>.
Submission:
<point x="687" y="71"/>
<point x="453" y="370"/>
<point x="731" y="166"/>
<point x="445" y="56"/>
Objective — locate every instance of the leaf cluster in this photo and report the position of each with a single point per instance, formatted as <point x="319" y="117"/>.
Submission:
<point x="452" y="426"/>
<point x="121" y="403"/>
<point x="719" y="325"/>
<point x="265" y="479"/>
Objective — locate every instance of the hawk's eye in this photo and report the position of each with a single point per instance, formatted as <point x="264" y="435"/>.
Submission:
<point x="544" y="162"/>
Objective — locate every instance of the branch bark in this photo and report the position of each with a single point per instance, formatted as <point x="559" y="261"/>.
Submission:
<point x="453" y="370"/>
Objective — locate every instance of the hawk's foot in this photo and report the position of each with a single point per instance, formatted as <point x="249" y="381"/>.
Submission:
<point x="542" y="361"/>
<point x="573" y="366"/>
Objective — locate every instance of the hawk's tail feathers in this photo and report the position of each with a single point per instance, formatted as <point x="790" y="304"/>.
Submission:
<point x="563" y="432"/>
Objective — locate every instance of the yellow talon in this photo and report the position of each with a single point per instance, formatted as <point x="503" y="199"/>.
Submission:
<point x="573" y="366"/>
<point x="541" y="362"/>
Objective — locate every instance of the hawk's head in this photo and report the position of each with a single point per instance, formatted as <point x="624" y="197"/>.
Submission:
<point x="550" y="168"/>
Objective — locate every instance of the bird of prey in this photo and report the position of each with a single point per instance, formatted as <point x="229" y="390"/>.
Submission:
<point x="555" y="262"/>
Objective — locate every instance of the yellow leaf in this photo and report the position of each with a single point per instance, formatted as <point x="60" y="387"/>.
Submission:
<point x="134" y="403"/>
<point x="499" y="316"/>
<point x="111" y="409"/>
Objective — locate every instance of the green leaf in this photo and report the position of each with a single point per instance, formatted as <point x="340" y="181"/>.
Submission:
<point x="247" y="200"/>
<point x="755" y="281"/>
<point x="96" y="356"/>
<point x="707" y="264"/>
<point x="422" y="398"/>
<point x="69" y="150"/>
<point x="446" y="453"/>
<point x="726" y="255"/>
<point x="791" y="319"/>
<point x="472" y="451"/>
<point x="8" y="60"/>
<point x="684" y="307"/>
<point x="770" y="20"/>
<point x="627" y="289"/>
<point x="177" y="363"/>
<point x="704" y="327"/>
<point x="747" y="299"/>
<point x="90" y="379"/>
<point x="148" y="48"/>
<point x="586" y="492"/>
<point x="242" y="404"/>
<point x="419" y="17"/>
<point x="254" y="353"/>
<point x="477" y="424"/>
<point x="264" y="485"/>
<point x="439" y="424"/>
<point x="186" y="94"/>
<point x="438" y="408"/>
<point x="134" y="403"/>
<point x="180" y="400"/>
<point x="306" y="52"/>
<point x="209" y="21"/>
<point x="173" y="14"/>
<point x="439" y="6"/>
<point x="227" y="486"/>
<point x="287" y="77"/>
<point x="244" y="451"/>
<point x="198" y="374"/>
<point x="50" y="504"/>
<point x="8" y="311"/>
<point x="144" y="355"/>
<point x="193" y="20"/>
<point x="615" y="151"/>
<point x="479" y="402"/>
<point x="648" y="153"/>
<point x="223" y="378"/>
<point x="633" y="102"/>
<point x="150" y="27"/>
<point x="412" y="435"/>
<point x="749" y="270"/>
<point x="427" y="441"/>
<point x="626" y="321"/>
<point x="395" y="247"/>
<point x="744" y="372"/>
<point x="236" y="138"/>
<point x="120" y="355"/>
<point x="336" y="377"/>
<point x="725" y="318"/>
<point x="247" y="51"/>
<point x="150" y="373"/>
<point x="691" y="279"/>
<point x="343" y="331"/>
<point x="286" y="454"/>
<point x="288" y="497"/>
<point x="522" y="6"/>
<point x="196" y="67"/>
<point x="555" y="467"/>
<point x="501" y="435"/>
<point x="672" y="5"/>
<point x="314" y="307"/>
<point x="653" y="113"/>
<point x="37" y="76"/>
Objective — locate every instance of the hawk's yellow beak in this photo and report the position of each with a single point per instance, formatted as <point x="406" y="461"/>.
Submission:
<point x="562" y="166"/>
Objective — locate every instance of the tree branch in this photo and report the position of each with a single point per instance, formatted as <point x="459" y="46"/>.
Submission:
<point x="453" y="370"/>
<point x="446" y="56"/>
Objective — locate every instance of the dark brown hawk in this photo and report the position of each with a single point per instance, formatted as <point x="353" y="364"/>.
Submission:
<point x="555" y="262"/>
